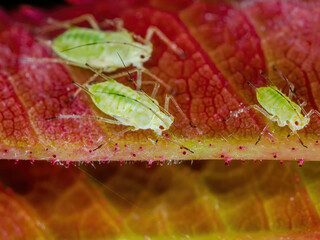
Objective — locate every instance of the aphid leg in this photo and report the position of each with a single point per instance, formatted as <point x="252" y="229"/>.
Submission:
<point x="67" y="24"/>
<point x="139" y="77"/>
<point x="101" y="119"/>
<point x="155" y="88"/>
<point x="256" y="107"/>
<point x="159" y="80"/>
<point x="313" y="112"/>
<point x="262" y="133"/>
<point x="304" y="102"/>
<point x="123" y="74"/>
<point x="295" y="133"/>
<point x="115" y="136"/>
<point x="90" y="80"/>
<point x="83" y="88"/>
<point x="166" y="107"/>
<point x="117" y="23"/>
<point x="154" y="30"/>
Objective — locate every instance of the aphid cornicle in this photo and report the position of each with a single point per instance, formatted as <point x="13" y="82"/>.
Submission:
<point x="280" y="108"/>
<point x="127" y="106"/>
<point x="80" y="46"/>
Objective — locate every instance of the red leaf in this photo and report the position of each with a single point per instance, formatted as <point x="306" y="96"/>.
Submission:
<point x="226" y="46"/>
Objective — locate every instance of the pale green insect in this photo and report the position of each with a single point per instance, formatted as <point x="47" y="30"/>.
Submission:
<point x="128" y="107"/>
<point x="280" y="108"/>
<point x="99" y="48"/>
<point x="80" y="46"/>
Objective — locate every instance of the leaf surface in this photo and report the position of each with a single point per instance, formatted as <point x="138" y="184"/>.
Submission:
<point x="226" y="45"/>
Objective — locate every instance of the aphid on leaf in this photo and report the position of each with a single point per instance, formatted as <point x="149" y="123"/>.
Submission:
<point x="128" y="107"/>
<point x="80" y="46"/>
<point x="280" y="108"/>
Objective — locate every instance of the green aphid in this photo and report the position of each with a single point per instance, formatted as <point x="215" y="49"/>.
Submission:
<point x="79" y="46"/>
<point x="128" y="107"/>
<point x="99" y="48"/>
<point x="280" y="108"/>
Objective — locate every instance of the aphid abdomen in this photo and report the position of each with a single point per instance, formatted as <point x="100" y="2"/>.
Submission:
<point x="75" y="37"/>
<point x="276" y="103"/>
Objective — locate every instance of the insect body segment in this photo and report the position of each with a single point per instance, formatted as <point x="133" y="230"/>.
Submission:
<point x="99" y="48"/>
<point x="130" y="107"/>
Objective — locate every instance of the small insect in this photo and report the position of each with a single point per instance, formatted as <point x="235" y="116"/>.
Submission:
<point x="80" y="46"/>
<point x="128" y="107"/>
<point x="280" y="108"/>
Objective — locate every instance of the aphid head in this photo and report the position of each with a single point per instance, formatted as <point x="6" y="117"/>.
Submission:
<point x="298" y="122"/>
<point x="163" y="124"/>
<point x="141" y="54"/>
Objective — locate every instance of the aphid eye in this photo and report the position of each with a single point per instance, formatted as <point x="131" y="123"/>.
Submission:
<point x="161" y="127"/>
<point x="142" y="56"/>
<point x="296" y="122"/>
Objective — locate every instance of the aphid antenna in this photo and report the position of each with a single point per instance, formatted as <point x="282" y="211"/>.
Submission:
<point x="160" y="107"/>
<point x="107" y="42"/>
<point x="125" y="67"/>
<point x="83" y="88"/>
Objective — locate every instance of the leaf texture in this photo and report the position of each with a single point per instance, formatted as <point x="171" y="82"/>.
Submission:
<point x="226" y="45"/>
